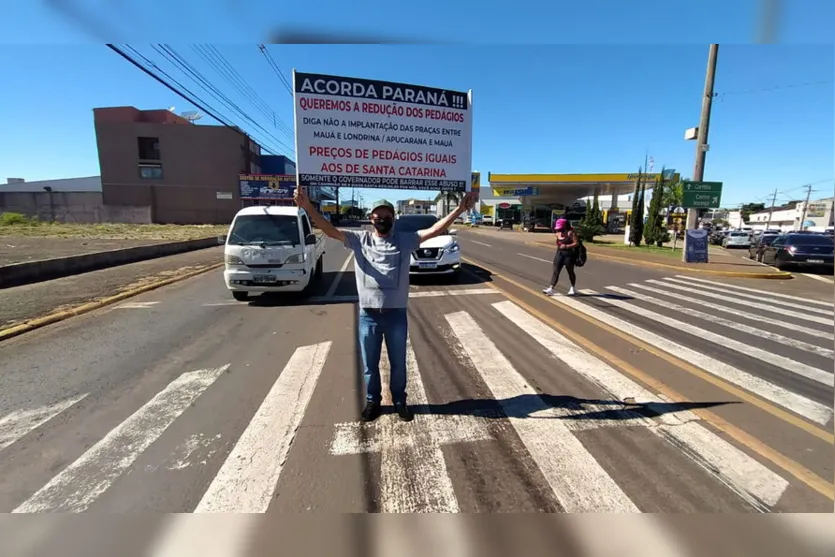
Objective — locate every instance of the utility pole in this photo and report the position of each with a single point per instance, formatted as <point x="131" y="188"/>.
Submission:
<point x="771" y="210"/>
<point x="806" y="205"/>
<point x="701" y="142"/>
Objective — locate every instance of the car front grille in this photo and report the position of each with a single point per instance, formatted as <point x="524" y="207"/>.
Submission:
<point x="428" y="253"/>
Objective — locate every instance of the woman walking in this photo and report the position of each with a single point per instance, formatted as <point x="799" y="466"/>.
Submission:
<point x="566" y="255"/>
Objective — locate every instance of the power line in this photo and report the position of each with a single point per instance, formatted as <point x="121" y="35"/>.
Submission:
<point x="776" y="88"/>
<point x="222" y="66"/>
<point x="275" y="68"/>
<point x="175" y="58"/>
<point x="187" y="95"/>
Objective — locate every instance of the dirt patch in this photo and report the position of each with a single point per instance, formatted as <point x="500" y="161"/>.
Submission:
<point x="33" y="242"/>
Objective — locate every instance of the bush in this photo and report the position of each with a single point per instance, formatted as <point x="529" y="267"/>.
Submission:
<point x="16" y="219"/>
<point x="588" y="230"/>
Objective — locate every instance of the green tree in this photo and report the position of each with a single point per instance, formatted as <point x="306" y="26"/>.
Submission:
<point x="591" y="224"/>
<point x="636" y="221"/>
<point x="655" y="231"/>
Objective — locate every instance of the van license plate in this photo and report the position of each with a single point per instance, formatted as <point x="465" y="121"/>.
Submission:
<point x="266" y="278"/>
<point x="815" y="261"/>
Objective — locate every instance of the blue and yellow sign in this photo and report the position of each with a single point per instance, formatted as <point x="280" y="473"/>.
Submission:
<point x="267" y="186"/>
<point x="515" y="192"/>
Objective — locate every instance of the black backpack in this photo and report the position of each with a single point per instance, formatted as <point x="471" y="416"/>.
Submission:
<point x="582" y="255"/>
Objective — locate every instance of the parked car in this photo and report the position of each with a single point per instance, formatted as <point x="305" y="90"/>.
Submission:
<point x="440" y="255"/>
<point x="755" y="250"/>
<point x="801" y="250"/>
<point x="737" y="239"/>
<point x="271" y="249"/>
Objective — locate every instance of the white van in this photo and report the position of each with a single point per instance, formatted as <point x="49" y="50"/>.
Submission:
<point x="271" y="249"/>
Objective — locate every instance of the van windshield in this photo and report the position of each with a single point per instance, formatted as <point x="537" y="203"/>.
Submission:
<point x="267" y="230"/>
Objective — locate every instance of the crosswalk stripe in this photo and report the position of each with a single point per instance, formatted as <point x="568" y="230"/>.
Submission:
<point x="764" y="307"/>
<point x="17" y="424"/>
<point x="83" y="481"/>
<point x="798" y="404"/>
<point x="452" y="292"/>
<point x="737" y="312"/>
<point x="760" y="297"/>
<point x="245" y="482"/>
<point x="760" y="292"/>
<point x="807" y="371"/>
<point x="577" y="480"/>
<point x="733" y="467"/>
<point x="415" y="479"/>
<point x="759" y="332"/>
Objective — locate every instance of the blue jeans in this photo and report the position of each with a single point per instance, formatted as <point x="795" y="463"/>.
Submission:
<point x="374" y="326"/>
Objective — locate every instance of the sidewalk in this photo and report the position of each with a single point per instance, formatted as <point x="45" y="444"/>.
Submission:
<point x="722" y="262"/>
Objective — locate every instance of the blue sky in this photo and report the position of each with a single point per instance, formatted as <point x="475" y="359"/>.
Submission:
<point x="537" y="108"/>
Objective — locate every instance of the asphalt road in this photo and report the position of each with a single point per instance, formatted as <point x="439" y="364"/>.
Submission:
<point x="182" y="400"/>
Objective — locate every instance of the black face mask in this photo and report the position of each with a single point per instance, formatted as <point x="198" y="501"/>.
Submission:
<point x="383" y="226"/>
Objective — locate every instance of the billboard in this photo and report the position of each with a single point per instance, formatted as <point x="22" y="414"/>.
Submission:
<point x="378" y="134"/>
<point x="267" y="186"/>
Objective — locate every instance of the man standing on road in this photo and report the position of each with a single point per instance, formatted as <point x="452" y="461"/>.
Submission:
<point x="381" y="266"/>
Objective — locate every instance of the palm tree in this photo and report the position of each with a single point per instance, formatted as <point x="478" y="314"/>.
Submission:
<point x="448" y="198"/>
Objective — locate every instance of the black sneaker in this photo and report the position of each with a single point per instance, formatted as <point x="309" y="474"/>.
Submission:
<point x="371" y="412"/>
<point x="403" y="411"/>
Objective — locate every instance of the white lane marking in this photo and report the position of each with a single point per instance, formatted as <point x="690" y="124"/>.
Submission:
<point x="760" y="297"/>
<point x="247" y="479"/>
<point x="481" y="243"/>
<point x="83" y="481"/>
<point x="818" y="277"/>
<point x="338" y="277"/>
<point x="137" y="305"/>
<point x="761" y="292"/>
<point x="765" y="307"/>
<point x="733" y="311"/>
<point x="577" y="480"/>
<point x="818" y="413"/>
<point x="536" y="258"/>
<point x="185" y="535"/>
<point x="743" y="474"/>
<point x="804" y="370"/>
<point x="458" y="292"/>
<point x="226" y="303"/>
<point x="16" y="424"/>
<point x="413" y="471"/>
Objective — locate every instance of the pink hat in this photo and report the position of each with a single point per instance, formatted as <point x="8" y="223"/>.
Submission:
<point x="560" y="223"/>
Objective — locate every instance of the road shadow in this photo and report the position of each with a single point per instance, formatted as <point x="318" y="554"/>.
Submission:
<point x="314" y="296"/>
<point x="524" y="406"/>
<point x="470" y="275"/>
<point x="604" y="296"/>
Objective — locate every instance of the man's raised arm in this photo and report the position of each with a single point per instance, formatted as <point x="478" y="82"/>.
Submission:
<point x="303" y="201"/>
<point x="440" y="227"/>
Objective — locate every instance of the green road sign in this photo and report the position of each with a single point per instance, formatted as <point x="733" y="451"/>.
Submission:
<point x="701" y="195"/>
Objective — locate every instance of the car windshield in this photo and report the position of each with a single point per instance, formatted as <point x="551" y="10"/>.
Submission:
<point x="810" y="240"/>
<point x="266" y="229"/>
<point x="738" y="234"/>
<point x="413" y="224"/>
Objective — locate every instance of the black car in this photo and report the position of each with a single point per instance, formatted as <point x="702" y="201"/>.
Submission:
<point x="757" y="247"/>
<point x="802" y="250"/>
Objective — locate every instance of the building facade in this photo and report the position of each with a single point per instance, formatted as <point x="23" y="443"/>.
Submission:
<point x="185" y="173"/>
<point x="415" y="207"/>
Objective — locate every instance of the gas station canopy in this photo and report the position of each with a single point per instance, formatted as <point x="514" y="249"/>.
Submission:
<point x="547" y="189"/>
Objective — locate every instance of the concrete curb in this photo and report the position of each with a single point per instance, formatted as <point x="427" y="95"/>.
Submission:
<point x="39" y="322"/>
<point x="30" y="272"/>
<point x="733" y="274"/>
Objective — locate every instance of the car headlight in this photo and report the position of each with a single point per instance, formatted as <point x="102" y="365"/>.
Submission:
<point x="453" y="248"/>
<point x="233" y="260"/>
<point x="298" y="258"/>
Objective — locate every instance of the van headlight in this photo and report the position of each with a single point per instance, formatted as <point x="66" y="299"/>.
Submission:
<point x="233" y="260"/>
<point x="453" y="248"/>
<point x="298" y="258"/>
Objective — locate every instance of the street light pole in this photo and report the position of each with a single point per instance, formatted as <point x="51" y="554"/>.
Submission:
<point x="805" y="205"/>
<point x="701" y="143"/>
<point x="771" y="210"/>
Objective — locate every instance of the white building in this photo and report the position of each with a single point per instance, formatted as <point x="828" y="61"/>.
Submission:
<point x="818" y="217"/>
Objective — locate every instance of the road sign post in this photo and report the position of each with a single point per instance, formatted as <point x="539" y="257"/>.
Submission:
<point x="701" y="195"/>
